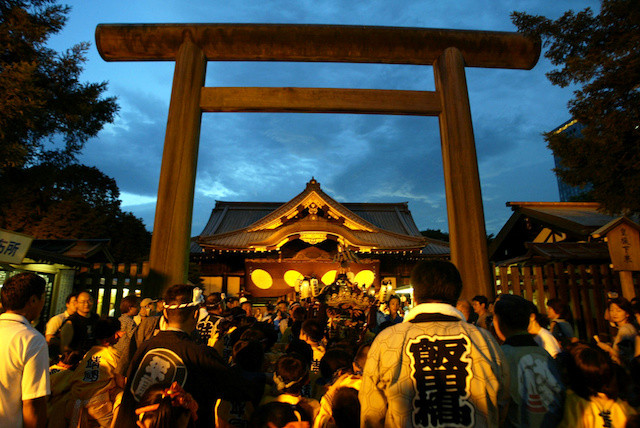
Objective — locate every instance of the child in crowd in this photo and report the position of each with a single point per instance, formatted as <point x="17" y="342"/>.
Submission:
<point x="351" y="379"/>
<point x="247" y="359"/>
<point x="312" y="332"/>
<point x="291" y="375"/>
<point x="592" y="397"/>
<point x="162" y="407"/>
<point x="93" y="392"/>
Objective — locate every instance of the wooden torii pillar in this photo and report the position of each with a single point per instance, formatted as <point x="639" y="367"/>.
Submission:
<point x="192" y="45"/>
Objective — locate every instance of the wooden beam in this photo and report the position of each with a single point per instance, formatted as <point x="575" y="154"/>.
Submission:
<point x="467" y="234"/>
<point x="169" y="257"/>
<point x="316" y="43"/>
<point x="320" y="100"/>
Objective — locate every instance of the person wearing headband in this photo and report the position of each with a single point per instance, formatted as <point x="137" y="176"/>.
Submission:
<point x="173" y="356"/>
<point x="208" y="327"/>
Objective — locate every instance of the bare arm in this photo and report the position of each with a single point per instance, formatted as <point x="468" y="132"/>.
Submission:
<point x="66" y="335"/>
<point x="34" y="413"/>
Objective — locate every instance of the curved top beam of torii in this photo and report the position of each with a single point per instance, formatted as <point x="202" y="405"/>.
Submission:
<point x="191" y="46"/>
<point x="316" y="43"/>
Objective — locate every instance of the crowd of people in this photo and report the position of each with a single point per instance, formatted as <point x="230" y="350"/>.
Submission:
<point x="189" y="360"/>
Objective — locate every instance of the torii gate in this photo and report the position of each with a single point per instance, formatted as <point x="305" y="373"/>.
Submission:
<point x="192" y="45"/>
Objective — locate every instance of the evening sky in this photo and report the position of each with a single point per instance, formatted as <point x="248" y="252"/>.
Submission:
<point x="356" y="158"/>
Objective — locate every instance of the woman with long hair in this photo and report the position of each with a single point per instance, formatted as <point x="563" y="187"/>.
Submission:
<point x="623" y="348"/>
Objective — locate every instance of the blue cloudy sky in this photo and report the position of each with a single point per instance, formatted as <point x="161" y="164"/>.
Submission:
<point x="356" y="158"/>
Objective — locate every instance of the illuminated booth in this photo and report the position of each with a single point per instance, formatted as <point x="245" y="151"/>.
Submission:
<point x="268" y="250"/>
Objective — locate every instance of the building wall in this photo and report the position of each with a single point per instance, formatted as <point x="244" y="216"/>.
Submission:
<point x="567" y="192"/>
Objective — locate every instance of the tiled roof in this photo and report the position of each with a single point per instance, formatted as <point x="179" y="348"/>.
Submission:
<point x="70" y="251"/>
<point x="436" y="247"/>
<point x="387" y="225"/>
<point x="594" y="252"/>
<point x="232" y="216"/>
<point x="576" y="217"/>
<point x="566" y="222"/>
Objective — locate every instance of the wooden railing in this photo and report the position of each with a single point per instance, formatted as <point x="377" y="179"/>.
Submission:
<point x="584" y="287"/>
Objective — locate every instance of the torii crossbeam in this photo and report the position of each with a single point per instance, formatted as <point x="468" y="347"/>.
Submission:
<point x="192" y="45"/>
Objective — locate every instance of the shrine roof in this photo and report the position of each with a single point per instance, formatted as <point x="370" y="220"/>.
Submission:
<point x="544" y="222"/>
<point x="582" y="252"/>
<point x="70" y="251"/>
<point x="242" y="224"/>
<point x="231" y="216"/>
<point x="577" y="217"/>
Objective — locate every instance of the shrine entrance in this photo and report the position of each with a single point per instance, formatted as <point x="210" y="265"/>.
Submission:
<point x="192" y="45"/>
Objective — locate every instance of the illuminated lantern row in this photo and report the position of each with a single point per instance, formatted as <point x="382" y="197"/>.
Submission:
<point x="309" y="286"/>
<point x="386" y="290"/>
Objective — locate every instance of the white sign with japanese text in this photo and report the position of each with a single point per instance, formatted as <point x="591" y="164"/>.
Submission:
<point x="13" y="246"/>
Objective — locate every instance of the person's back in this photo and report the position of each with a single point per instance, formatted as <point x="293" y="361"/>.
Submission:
<point x="351" y="379"/>
<point x="24" y="361"/>
<point x="537" y="393"/>
<point x="404" y="357"/>
<point x="207" y="330"/>
<point x="312" y="332"/>
<point x="171" y="355"/>
<point x="92" y="385"/>
<point x="52" y="330"/>
<point x="592" y="394"/>
<point x="434" y="369"/>
<point x="559" y="313"/>
<point x="129" y="308"/>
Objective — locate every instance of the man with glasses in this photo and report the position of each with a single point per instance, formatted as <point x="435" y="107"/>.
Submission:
<point x="77" y="333"/>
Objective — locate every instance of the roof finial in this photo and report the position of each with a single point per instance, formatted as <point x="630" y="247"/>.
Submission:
<point x="313" y="183"/>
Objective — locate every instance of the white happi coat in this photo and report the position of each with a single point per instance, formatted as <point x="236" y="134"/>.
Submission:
<point x="434" y="369"/>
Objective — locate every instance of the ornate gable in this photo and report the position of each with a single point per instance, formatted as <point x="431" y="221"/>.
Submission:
<point x="312" y="204"/>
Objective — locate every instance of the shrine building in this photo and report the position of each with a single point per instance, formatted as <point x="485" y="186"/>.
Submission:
<point x="269" y="249"/>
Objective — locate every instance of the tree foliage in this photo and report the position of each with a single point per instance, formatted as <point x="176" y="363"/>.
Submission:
<point x="75" y="202"/>
<point x="435" y="234"/>
<point x="46" y="116"/>
<point x="600" y="54"/>
<point x="46" y="113"/>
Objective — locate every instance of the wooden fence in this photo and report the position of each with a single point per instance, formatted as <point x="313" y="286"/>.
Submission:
<point x="108" y="283"/>
<point x="584" y="287"/>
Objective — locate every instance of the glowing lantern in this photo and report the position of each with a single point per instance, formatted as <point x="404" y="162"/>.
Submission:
<point x="261" y="278"/>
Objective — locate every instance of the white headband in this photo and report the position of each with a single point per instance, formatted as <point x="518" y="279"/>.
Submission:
<point x="198" y="299"/>
<point x="280" y="383"/>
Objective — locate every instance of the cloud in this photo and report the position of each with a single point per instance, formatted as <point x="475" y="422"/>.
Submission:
<point x="130" y="200"/>
<point x="130" y="149"/>
<point x="364" y="158"/>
